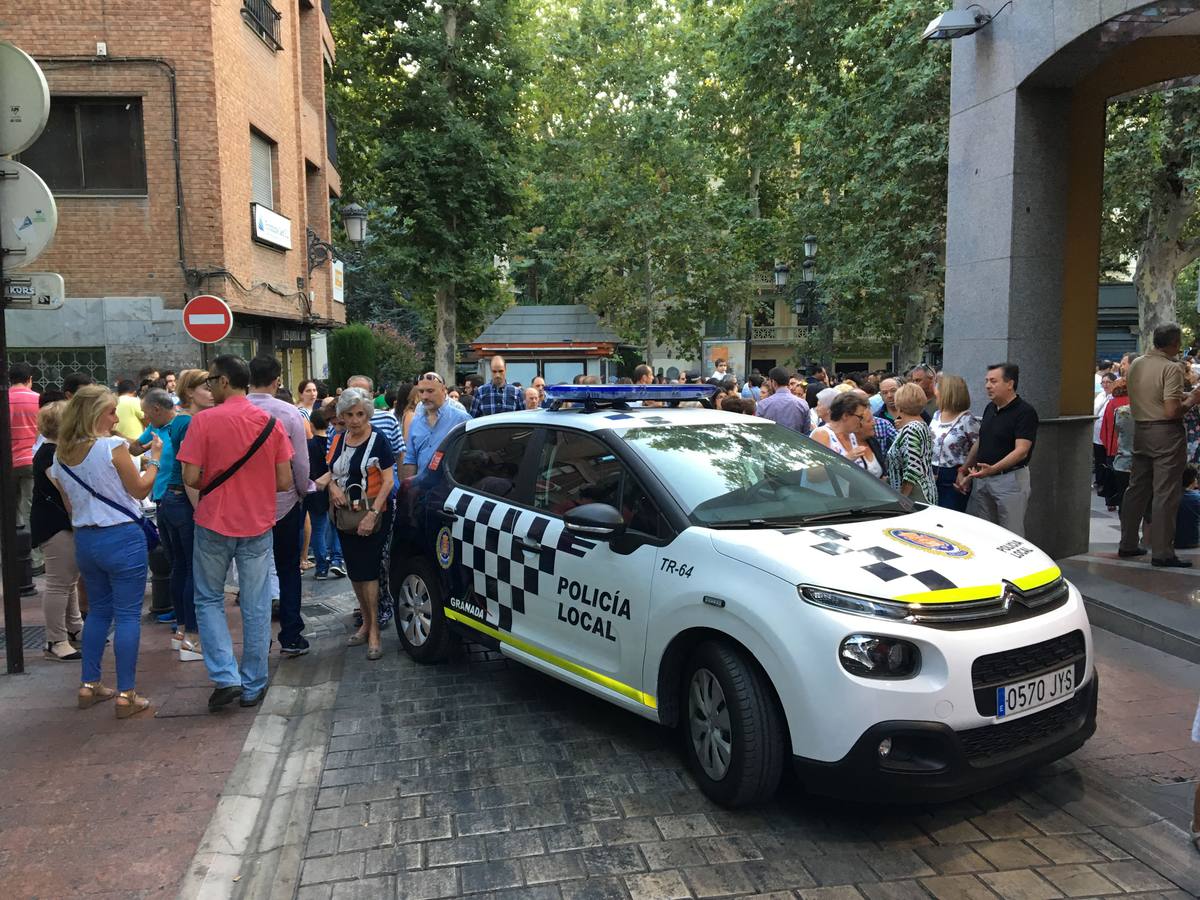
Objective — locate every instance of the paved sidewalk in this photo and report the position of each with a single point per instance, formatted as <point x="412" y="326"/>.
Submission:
<point x="92" y="806"/>
<point x="482" y="777"/>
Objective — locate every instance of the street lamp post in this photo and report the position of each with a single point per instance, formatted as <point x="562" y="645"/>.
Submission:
<point x="354" y="220"/>
<point x="808" y="273"/>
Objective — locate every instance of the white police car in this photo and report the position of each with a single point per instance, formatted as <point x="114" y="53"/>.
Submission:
<point x="728" y="576"/>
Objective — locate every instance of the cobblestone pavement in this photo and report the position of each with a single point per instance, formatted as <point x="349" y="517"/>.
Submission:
<point x="482" y="777"/>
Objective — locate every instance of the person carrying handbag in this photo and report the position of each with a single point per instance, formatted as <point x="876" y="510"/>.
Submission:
<point x="101" y="489"/>
<point x="360" y="481"/>
<point x="237" y="457"/>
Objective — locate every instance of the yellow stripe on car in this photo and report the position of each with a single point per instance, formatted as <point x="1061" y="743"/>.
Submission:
<point x="954" y="595"/>
<point x="595" y="677"/>
<point x="1037" y="579"/>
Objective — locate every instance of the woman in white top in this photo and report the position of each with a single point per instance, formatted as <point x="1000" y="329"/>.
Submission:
<point x="841" y="433"/>
<point x="955" y="432"/>
<point x="101" y="487"/>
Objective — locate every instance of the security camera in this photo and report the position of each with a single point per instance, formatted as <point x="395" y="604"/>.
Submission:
<point x="956" y="23"/>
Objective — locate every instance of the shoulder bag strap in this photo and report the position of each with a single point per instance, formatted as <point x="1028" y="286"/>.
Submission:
<point x="228" y="473"/>
<point x="117" y="506"/>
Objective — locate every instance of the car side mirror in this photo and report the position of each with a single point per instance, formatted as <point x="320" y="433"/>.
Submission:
<point x="595" y="520"/>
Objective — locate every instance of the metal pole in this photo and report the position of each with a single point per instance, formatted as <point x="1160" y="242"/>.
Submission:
<point x="14" y="645"/>
<point x="749" y="354"/>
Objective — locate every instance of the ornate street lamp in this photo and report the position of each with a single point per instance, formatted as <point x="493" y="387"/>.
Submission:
<point x="354" y="220"/>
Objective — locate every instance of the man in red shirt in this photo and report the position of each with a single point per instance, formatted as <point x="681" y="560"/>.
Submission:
<point x="234" y="520"/>
<point x="23" y="412"/>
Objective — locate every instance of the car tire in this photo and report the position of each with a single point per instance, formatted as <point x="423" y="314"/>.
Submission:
<point x="420" y="621"/>
<point x="731" y="726"/>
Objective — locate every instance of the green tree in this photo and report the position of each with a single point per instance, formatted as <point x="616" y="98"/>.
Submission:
<point x="1151" y="175"/>
<point x="352" y="351"/>
<point x="427" y="96"/>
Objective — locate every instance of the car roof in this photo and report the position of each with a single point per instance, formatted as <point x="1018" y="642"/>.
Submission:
<point x="617" y="419"/>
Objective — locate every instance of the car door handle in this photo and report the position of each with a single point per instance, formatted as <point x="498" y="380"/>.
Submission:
<point x="447" y="515"/>
<point x="530" y="543"/>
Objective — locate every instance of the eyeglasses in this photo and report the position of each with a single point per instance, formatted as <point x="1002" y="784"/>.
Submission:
<point x="432" y="376"/>
<point x="213" y="379"/>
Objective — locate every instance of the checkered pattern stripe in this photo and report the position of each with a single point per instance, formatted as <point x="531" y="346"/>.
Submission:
<point x="505" y="571"/>
<point x="904" y="574"/>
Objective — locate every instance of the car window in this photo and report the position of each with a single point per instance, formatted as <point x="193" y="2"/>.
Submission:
<point x="576" y="469"/>
<point x="489" y="460"/>
<point x="754" y="471"/>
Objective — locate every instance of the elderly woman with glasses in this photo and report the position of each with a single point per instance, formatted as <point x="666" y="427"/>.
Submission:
<point x="360" y="482"/>
<point x="847" y="413"/>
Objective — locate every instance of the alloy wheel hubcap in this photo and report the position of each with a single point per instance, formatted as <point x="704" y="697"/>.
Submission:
<point x="708" y="717"/>
<point x="416" y="610"/>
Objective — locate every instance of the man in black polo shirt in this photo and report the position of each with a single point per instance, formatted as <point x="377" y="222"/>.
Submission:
<point x="997" y="468"/>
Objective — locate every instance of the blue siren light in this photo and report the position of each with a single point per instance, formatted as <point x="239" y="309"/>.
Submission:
<point x="623" y="393"/>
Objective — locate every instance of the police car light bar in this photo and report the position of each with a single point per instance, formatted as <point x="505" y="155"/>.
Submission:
<point x="620" y="394"/>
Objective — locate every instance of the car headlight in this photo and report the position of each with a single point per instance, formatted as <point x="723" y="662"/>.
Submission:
<point x="852" y="603"/>
<point x="873" y="656"/>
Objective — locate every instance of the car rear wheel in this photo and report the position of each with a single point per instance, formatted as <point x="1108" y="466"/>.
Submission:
<point x="733" y="733"/>
<point x="419" y="620"/>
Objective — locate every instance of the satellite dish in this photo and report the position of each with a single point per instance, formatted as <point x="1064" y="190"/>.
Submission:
<point x="29" y="215"/>
<point x="24" y="100"/>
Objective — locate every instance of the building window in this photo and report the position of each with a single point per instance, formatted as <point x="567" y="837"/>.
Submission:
<point x="262" y="170"/>
<point x="52" y="364"/>
<point x="92" y="145"/>
<point x="263" y="20"/>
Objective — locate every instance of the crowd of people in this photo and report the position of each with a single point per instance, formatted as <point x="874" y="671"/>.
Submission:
<point x="1146" y="446"/>
<point x="252" y="486"/>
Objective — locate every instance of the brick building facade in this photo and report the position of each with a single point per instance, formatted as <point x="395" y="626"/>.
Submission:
<point x="167" y="122"/>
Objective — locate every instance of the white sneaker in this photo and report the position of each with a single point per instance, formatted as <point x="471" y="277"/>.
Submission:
<point x="190" y="651"/>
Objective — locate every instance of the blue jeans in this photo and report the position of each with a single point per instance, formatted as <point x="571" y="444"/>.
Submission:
<point x="210" y="561"/>
<point x="288" y="536"/>
<point x="177" y="530"/>
<point x="316" y="505"/>
<point x="949" y="496"/>
<point x="335" y="545"/>
<point x="113" y="563"/>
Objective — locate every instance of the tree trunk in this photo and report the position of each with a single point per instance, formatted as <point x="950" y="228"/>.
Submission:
<point x="918" y="311"/>
<point x="445" y="344"/>
<point x="1163" y="254"/>
<point x="446" y="341"/>
<point x="1154" y="281"/>
<point x="648" y="289"/>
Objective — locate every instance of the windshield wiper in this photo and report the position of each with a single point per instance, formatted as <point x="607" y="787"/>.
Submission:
<point x="857" y="512"/>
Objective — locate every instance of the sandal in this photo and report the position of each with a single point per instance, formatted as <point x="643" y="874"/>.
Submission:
<point x="130" y="704"/>
<point x="190" y="651"/>
<point x="306" y="565"/>
<point x="62" y="651"/>
<point x="356" y="640"/>
<point x="93" y="692"/>
<point x="374" y="653"/>
<point x="176" y="640"/>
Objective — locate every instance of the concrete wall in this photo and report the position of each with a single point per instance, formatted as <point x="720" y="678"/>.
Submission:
<point x="1017" y="144"/>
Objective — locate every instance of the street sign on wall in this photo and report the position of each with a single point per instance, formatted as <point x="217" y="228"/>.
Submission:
<point x="338" y="275"/>
<point x="34" y="290"/>
<point x="207" y="319"/>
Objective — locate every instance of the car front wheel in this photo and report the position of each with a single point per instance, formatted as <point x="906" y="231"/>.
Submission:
<point x="733" y="732"/>
<point x="420" y="622"/>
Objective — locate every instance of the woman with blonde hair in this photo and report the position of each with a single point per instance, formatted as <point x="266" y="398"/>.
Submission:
<point x="192" y="389"/>
<point x="955" y="432"/>
<point x="50" y="528"/>
<point x="910" y="459"/>
<point x="101" y="487"/>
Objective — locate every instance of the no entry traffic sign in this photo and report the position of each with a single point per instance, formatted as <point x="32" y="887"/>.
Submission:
<point x="207" y="319"/>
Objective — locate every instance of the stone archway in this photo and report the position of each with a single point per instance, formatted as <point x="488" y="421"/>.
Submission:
<point x="1027" y="119"/>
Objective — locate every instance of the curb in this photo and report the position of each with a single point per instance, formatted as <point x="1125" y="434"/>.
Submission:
<point x="254" y="844"/>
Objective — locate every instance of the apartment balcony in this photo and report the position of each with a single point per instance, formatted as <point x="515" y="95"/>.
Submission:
<point x="781" y="334"/>
<point x="263" y="19"/>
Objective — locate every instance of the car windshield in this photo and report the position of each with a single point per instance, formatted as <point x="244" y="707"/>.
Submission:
<point x="754" y="474"/>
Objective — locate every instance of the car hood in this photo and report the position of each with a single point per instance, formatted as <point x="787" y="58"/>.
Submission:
<point x="930" y="556"/>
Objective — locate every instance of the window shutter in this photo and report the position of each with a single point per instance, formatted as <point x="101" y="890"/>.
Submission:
<point x="262" y="187"/>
